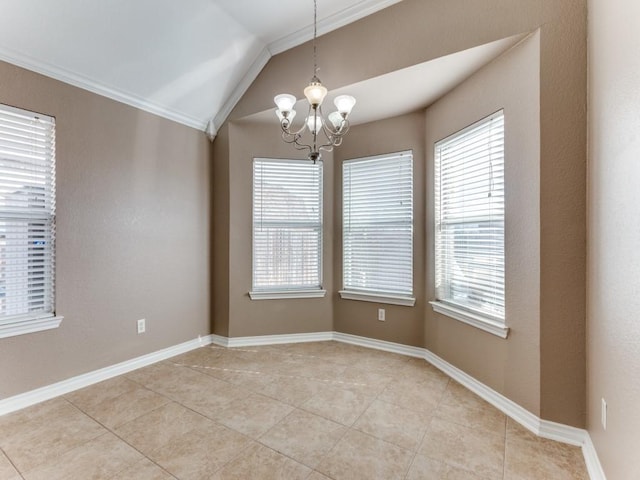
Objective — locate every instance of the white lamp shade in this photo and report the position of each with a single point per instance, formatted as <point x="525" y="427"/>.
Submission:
<point x="285" y="102"/>
<point x="314" y="127"/>
<point x="336" y="120"/>
<point x="292" y="115"/>
<point x="315" y="93"/>
<point x="344" y="103"/>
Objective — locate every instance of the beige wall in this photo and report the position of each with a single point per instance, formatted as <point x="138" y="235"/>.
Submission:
<point x="132" y="234"/>
<point x="247" y="317"/>
<point x="542" y="364"/>
<point x="511" y="366"/>
<point x="403" y="324"/>
<point x="613" y="320"/>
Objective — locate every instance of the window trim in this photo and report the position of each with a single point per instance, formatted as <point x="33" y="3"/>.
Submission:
<point x="21" y="326"/>
<point x="482" y="321"/>
<point x="278" y="292"/>
<point x="470" y="318"/>
<point x="15" y="325"/>
<point x="283" y="294"/>
<point x="380" y="296"/>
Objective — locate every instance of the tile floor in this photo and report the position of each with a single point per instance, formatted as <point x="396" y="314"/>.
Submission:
<point x="312" y="411"/>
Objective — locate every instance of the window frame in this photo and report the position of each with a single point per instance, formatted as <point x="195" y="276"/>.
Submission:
<point x="24" y="323"/>
<point x="350" y="292"/>
<point x="279" y="292"/>
<point x="490" y="323"/>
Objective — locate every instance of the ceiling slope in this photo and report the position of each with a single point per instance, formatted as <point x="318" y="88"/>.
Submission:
<point x="189" y="61"/>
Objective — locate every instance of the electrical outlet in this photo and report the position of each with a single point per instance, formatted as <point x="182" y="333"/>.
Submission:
<point x="381" y="315"/>
<point x="603" y="417"/>
<point x="142" y="326"/>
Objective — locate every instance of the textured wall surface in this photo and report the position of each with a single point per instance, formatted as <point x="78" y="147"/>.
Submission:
<point x="133" y="207"/>
<point x="613" y="320"/>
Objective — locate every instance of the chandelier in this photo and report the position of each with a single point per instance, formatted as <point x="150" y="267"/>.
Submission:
<point x="324" y="133"/>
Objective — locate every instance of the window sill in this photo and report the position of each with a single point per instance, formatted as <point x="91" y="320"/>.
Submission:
<point x="472" y="319"/>
<point x="378" y="298"/>
<point x="282" y="294"/>
<point x="29" y="325"/>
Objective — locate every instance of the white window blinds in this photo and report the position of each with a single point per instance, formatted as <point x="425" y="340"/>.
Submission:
<point x="27" y="214"/>
<point x="378" y="224"/>
<point x="469" y="216"/>
<point x="287" y="225"/>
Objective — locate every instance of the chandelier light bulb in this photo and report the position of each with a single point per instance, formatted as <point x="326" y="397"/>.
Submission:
<point x="344" y="103"/>
<point x="290" y="117"/>
<point x="315" y="92"/>
<point x="285" y="102"/>
<point x="336" y="120"/>
<point x="314" y="127"/>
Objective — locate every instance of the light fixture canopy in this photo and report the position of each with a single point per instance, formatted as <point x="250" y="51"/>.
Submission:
<point x="332" y="129"/>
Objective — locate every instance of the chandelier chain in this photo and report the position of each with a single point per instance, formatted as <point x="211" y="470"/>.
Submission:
<point x="315" y="32"/>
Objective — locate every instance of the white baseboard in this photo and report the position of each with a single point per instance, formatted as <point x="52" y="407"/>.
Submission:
<point x="543" y="428"/>
<point x="594" y="467"/>
<point x="272" y="339"/>
<point x="32" y="397"/>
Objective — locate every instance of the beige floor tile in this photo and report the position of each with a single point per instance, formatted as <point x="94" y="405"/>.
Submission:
<point x="317" y="476"/>
<point x="470" y="449"/>
<point x="459" y="395"/>
<point x="200" y="452"/>
<point x="190" y="388"/>
<point x="394" y="424"/>
<point x="304" y="437"/>
<point x="262" y="463"/>
<point x="251" y="380"/>
<point x="7" y="471"/>
<point x="417" y="396"/>
<point x="362" y="380"/>
<point x="424" y="468"/>
<point x="97" y="459"/>
<point x="53" y="430"/>
<point x="113" y="412"/>
<point x="382" y="362"/>
<point x="485" y="418"/>
<point x="530" y="457"/>
<point x="204" y="356"/>
<point x="253" y="415"/>
<point x="360" y="456"/>
<point x="419" y="370"/>
<point x="293" y="390"/>
<point x="160" y="427"/>
<point x="145" y="469"/>
<point x="90" y="397"/>
<point x="337" y="404"/>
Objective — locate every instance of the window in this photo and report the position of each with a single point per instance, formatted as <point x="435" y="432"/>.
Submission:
<point x="27" y="222"/>
<point x="469" y="225"/>
<point x="287" y="229"/>
<point x="377" y="228"/>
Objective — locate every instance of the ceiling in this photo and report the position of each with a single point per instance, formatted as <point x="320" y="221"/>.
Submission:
<point x="192" y="60"/>
<point x="187" y="60"/>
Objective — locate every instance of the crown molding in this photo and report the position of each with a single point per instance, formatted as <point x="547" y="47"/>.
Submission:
<point x="85" y="83"/>
<point x="330" y="23"/>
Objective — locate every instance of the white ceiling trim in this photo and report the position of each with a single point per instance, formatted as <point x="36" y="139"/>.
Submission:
<point x="254" y="70"/>
<point x="328" y="24"/>
<point x="85" y="83"/>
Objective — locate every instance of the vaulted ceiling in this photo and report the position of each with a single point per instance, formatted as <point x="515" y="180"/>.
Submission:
<point x="187" y="60"/>
<point x="192" y="60"/>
